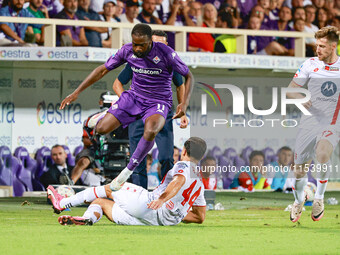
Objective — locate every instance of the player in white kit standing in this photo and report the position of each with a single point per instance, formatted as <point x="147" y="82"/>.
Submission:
<point x="318" y="133"/>
<point x="179" y="197"/>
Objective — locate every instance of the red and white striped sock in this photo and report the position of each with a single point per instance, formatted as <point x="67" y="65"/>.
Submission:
<point x="87" y="195"/>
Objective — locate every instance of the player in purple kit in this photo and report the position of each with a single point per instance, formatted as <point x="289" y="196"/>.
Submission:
<point x="150" y="95"/>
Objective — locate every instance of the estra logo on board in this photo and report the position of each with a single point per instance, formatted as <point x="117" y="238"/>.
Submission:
<point x="50" y="114"/>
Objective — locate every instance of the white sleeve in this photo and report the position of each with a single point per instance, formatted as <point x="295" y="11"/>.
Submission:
<point x="302" y="74"/>
<point x="180" y="168"/>
<point x="200" y="201"/>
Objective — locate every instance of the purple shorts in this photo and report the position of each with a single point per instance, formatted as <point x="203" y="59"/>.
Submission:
<point x="130" y="108"/>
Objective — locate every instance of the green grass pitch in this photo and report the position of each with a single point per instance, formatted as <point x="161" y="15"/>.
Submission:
<point x="252" y="223"/>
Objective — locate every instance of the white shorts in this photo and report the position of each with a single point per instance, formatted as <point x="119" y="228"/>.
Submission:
<point x="307" y="139"/>
<point x="130" y="206"/>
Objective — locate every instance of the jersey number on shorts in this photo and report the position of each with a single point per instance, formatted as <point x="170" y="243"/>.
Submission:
<point x="186" y="194"/>
<point x="160" y="108"/>
<point x="327" y="133"/>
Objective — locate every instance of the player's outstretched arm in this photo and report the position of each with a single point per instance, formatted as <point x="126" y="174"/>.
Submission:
<point x="174" y="186"/>
<point x="180" y="91"/>
<point x="117" y="87"/>
<point x="123" y="78"/>
<point x="96" y="75"/>
<point x="196" y="215"/>
<point x="181" y="108"/>
<point x="297" y="95"/>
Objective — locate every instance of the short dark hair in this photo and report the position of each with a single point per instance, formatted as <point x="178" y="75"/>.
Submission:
<point x="149" y="157"/>
<point x="195" y="147"/>
<point x="225" y="17"/>
<point x="329" y="32"/>
<point x="309" y="6"/>
<point x="176" y="148"/>
<point x="56" y="146"/>
<point x="160" y="33"/>
<point x="207" y="158"/>
<point x="142" y="30"/>
<point x="255" y="153"/>
<point x="284" y="148"/>
<point x="299" y="8"/>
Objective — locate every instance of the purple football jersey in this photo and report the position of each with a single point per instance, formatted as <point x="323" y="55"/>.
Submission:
<point x="152" y="75"/>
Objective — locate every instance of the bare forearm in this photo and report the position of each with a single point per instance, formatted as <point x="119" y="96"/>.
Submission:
<point x="189" y="81"/>
<point x="97" y="29"/>
<point x="174" y="186"/>
<point x="76" y="43"/>
<point x="189" y="21"/>
<point x="95" y="76"/>
<point x="294" y="95"/>
<point x="9" y="32"/>
<point x="180" y="91"/>
<point x="170" y="191"/>
<point x="42" y="37"/>
<point x="84" y="42"/>
<point x="171" y="20"/>
<point x="158" y="21"/>
<point x="118" y="87"/>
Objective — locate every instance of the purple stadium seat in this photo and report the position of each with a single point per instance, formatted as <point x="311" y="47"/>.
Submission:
<point x="29" y="167"/>
<point x="44" y="161"/>
<point x="227" y="172"/>
<point x="246" y="153"/>
<point x="18" y="187"/>
<point x="268" y="155"/>
<point x="310" y="176"/>
<point x="9" y="166"/>
<point x="4" y="151"/>
<point x="77" y="150"/>
<point x="216" y="152"/>
<point x="70" y="158"/>
<point x="224" y="163"/>
<point x="274" y="158"/>
<point x="6" y="175"/>
<point x="154" y="153"/>
<point x="230" y="153"/>
<point x="239" y="162"/>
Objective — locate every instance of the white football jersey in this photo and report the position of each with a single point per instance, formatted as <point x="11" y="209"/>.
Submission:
<point x="323" y="82"/>
<point x="191" y="193"/>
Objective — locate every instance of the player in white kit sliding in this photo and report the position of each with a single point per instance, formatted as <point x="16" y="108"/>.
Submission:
<point x="318" y="133"/>
<point x="179" y="197"/>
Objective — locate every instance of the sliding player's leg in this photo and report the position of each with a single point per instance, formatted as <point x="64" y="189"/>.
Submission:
<point x="92" y="215"/>
<point x="88" y="195"/>
<point x="96" y="210"/>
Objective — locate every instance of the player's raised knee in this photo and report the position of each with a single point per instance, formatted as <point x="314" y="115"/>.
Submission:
<point x="201" y="219"/>
<point x="322" y="156"/>
<point x="150" y="133"/>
